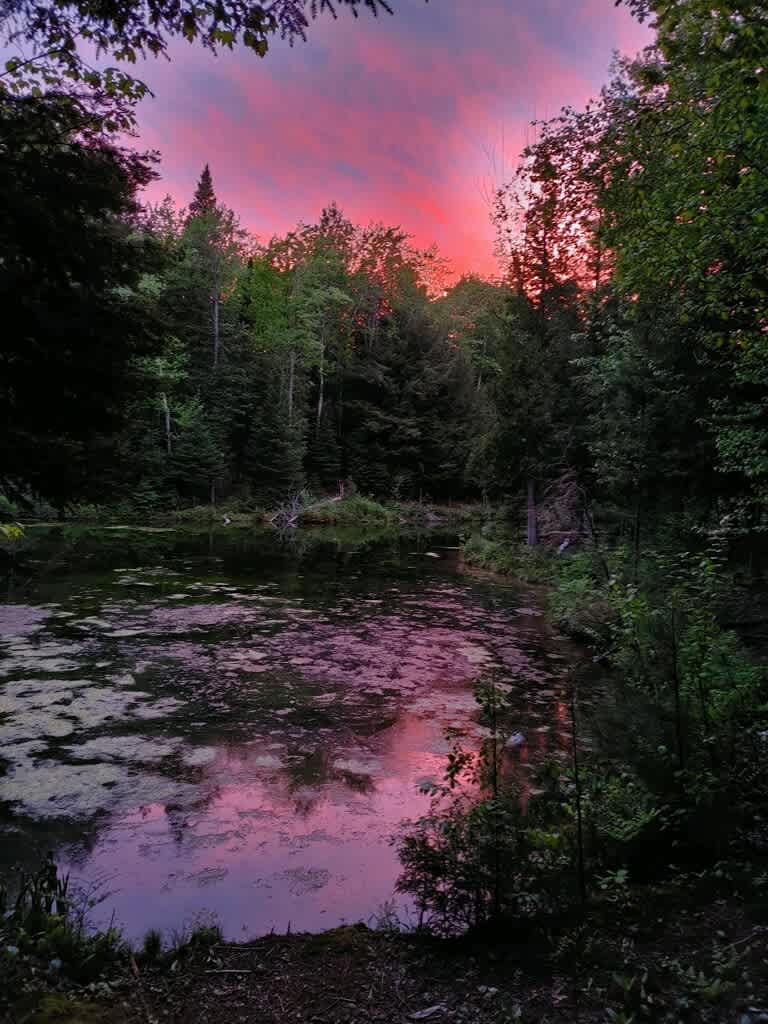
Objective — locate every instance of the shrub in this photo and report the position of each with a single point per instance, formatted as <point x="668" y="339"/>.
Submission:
<point x="44" y="926"/>
<point x="477" y="857"/>
<point x="703" y="701"/>
<point x="152" y="945"/>
<point x="86" y="511"/>
<point x="205" y="936"/>
<point x="8" y="509"/>
<point x="578" y="603"/>
<point x="355" y="511"/>
<point x="531" y="565"/>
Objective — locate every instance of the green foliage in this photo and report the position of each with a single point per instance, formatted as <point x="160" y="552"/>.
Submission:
<point x="152" y="945"/>
<point x="83" y="318"/>
<point x="477" y="858"/>
<point x="704" y="701"/>
<point x="86" y="511"/>
<point x="578" y="603"/>
<point x="532" y="432"/>
<point x="205" y="936"/>
<point x="684" y="217"/>
<point x="196" y="459"/>
<point x="532" y="565"/>
<point x="197" y="514"/>
<point x="622" y="812"/>
<point x="126" y="33"/>
<point x="355" y="511"/>
<point x="45" y="925"/>
<point x="454" y="865"/>
<point x="8" y="509"/>
<point x="11" y="533"/>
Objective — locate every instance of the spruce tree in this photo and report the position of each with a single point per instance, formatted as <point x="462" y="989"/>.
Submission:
<point x="324" y="454"/>
<point x="204" y="201"/>
<point x="275" y="449"/>
<point x="197" y="456"/>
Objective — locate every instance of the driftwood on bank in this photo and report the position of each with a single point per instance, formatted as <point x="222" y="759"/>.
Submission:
<point x="290" y="513"/>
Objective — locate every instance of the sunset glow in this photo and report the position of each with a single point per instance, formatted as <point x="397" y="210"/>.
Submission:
<point x="408" y="120"/>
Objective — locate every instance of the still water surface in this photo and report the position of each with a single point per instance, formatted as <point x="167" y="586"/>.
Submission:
<point x="220" y="723"/>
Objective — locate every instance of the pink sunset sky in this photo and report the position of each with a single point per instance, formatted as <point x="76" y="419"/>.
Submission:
<point x="406" y="119"/>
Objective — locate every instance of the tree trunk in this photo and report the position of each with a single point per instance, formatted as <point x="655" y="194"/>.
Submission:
<point x="213" y="493"/>
<point x="167" y="414"/>
<point x="636" y="528"/>
<point x="678" y="702"/>
<point x="532" y="532"/>
<point x="598" y="254"/>
<point x="291" y="375"/>
<point x="216" y="331"/>
<point x="480" y="371"/>
<point x="321" y="391"/>
<point x="582" y="874"/>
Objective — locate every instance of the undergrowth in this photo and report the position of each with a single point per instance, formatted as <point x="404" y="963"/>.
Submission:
<point x="48" y="946"/>
<point x="355" y="510"/>
<point x="531" y="565"/>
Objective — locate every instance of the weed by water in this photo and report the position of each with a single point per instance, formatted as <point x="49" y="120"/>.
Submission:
<point x="356" y="510"/>
<point x="205" y="936"/>
<point x="152" y="945"/>
<point x="43" y="934"/>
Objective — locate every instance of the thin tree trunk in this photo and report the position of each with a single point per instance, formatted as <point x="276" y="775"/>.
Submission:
<point x="532" y="532"/>
<point x="321" y="392"/>
<point x="595" y="542"/>
<point x="495" y="792"/>
<point x="216" y="331"/>
<point x="598" y="255"/>
<point x="678" y="703"/>
<point x="167" y="414"/>
<point x="213" y="493"/>
<point x="577" y="785"/>
<point x="480" y="371"/>
<point x="291" y="375"/>
<point x="636" y="540"/>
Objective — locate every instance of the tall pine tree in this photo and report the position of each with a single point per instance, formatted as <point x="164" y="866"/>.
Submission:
<point x="204" y="200"/>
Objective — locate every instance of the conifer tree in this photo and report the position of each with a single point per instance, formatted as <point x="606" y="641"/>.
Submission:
<point x="204" y="201"/>
<point x="275" y="448"/>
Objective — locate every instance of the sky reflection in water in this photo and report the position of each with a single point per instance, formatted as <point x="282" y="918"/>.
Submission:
<point x="243" y="733"/>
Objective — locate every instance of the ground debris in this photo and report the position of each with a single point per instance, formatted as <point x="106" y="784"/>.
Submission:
<point x="355" y="975"/>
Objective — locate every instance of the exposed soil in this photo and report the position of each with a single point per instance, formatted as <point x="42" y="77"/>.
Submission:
<point x="701" y="964"/>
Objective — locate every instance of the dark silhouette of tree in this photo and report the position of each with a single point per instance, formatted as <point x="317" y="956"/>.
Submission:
<point x="70" y="285"/>
<point x="204" y="201"/>
<point x="127" y="31"/>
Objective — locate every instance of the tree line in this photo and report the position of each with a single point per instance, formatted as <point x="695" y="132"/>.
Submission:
<point x="163" y="355"/>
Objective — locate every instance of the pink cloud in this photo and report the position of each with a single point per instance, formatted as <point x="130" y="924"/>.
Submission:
<point x="394" y="120"/>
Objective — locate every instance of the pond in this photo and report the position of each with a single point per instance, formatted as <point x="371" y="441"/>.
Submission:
<point x="222" y="724"/>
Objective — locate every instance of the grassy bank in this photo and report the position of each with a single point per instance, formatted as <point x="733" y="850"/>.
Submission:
<point x="356" y="510"/>
<point x="362" y="510"/>
<point x="690" y="950"/>
<point x="576" y="596"/>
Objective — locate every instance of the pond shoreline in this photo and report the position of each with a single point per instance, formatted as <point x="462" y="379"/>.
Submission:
<point x="352" y="511"/>
<point x="559" y="970"/>
<point x="355" y="975"/>
<point x="240" y="725"/>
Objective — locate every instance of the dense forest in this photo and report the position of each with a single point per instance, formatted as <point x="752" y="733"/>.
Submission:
<point x="621" y="348"/>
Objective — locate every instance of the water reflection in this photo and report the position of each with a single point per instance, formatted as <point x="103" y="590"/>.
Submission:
<point x="244" y="735"/>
